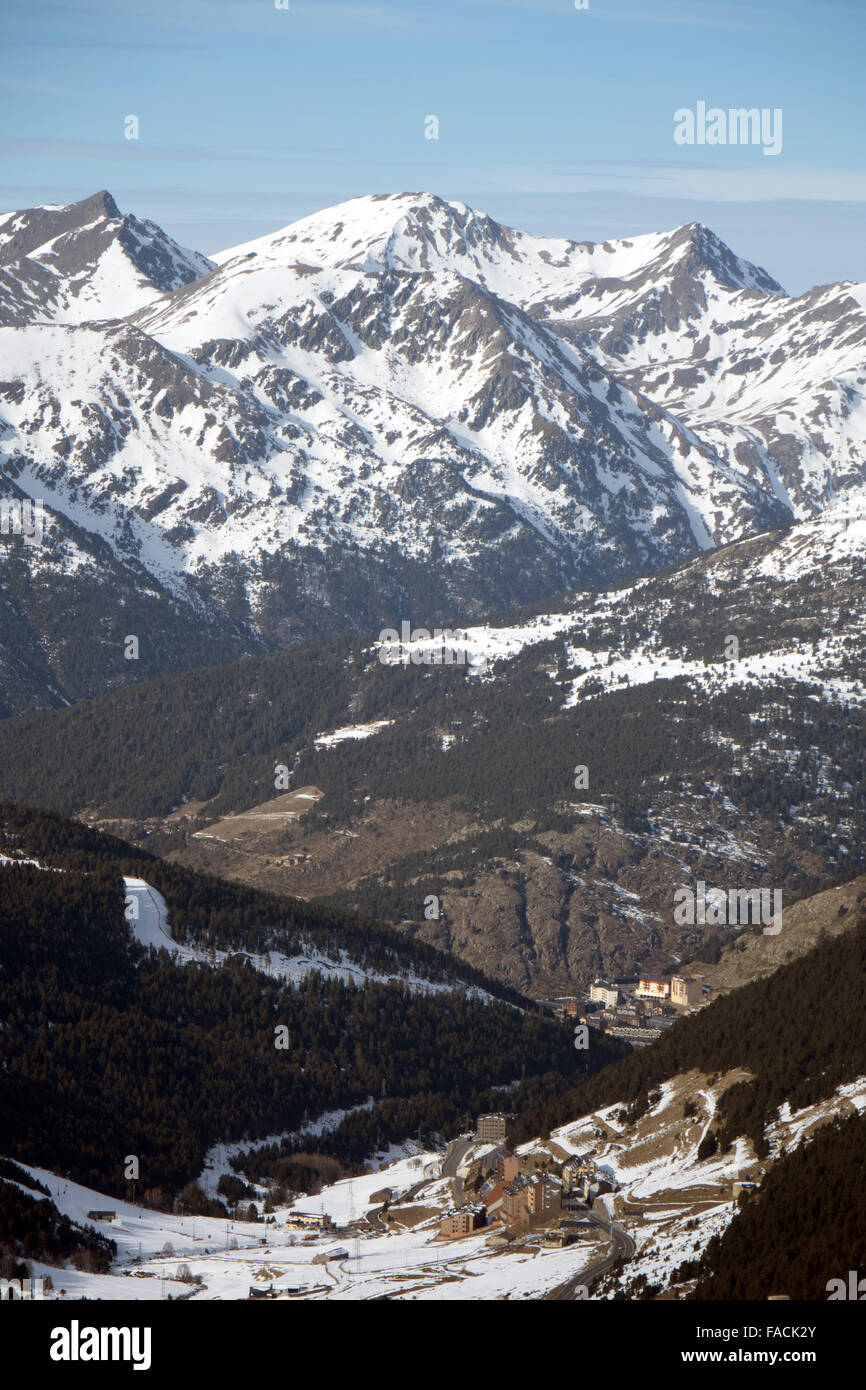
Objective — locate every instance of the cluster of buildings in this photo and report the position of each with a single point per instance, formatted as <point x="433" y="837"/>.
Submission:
<point x="510" y="1190"/>
<point x="582" y="1182"/>
<point x="514" y="1199"/>
<point x="525" y="1196"/>
<point x="640" y="1010"/>
<point x="564" y="1005"/>
<point x="679" y="991"/>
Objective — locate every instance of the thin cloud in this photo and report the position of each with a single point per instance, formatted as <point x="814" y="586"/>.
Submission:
<point x="121" y="148"/>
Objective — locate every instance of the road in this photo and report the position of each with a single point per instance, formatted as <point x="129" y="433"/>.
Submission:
<point x="622" y="1248"/>
<point x="375" y="1219"/>
<point x="457" y="1151"/>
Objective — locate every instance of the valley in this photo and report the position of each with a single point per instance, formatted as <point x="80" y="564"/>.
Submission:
<point x="420" y="611"/>
<point x="538" y="816"/>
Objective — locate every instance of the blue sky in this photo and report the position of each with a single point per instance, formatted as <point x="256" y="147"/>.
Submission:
<point x="554" y="119"/>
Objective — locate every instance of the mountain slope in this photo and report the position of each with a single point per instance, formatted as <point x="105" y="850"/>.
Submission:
<point x="86" y="260"/>
<point x="739" y="768"/>
<point x="756" y="1028"/>
<point x="396" y="408"/>
<point x="741" y="1091"/>
<point x="112" y="1048"/>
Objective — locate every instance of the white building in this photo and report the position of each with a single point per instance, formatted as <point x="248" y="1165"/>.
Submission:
<point x="600" y="992"/>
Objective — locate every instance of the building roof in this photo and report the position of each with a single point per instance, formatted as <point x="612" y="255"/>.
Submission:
<point x="468" y="1209"/>
<point x="537" y="1179"/>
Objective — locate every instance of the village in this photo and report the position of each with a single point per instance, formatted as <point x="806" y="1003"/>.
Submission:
<point x="514" y="1194"/>
<point x="538" y="1198"/>
<point x="607" y="1205"/>
<point x="636" y="1010"/>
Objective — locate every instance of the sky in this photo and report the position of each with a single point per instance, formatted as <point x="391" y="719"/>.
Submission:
<point x="557" y="119"/>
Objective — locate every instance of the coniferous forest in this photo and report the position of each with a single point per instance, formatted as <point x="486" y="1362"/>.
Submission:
<point x="432" y="670"/>
<point x="804" y="1227"/>
<point x="801" y="1032"/>
<point x="110" y="1049"/>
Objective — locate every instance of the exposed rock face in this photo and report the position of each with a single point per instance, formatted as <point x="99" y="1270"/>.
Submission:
<point x="86" y="260"/>
<point x="804" y="925"/>
<point x="393" y="409"/>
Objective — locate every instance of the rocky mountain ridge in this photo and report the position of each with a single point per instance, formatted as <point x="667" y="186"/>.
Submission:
<point x="393" y="409"/>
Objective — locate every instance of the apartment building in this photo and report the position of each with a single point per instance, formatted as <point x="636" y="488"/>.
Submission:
<point x="601" y="992"/>
<point x="685" y="993"/>
<point x="650" y="987"/>
<point x="491" y="1129"/>
<point x="463" y="1220"/>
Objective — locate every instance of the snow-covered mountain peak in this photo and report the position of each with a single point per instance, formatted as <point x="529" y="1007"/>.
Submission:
<point x="22" y="233"/>
<point x="347" y="233"/>
<point x="403" y="390"/>
<point x="424" y="233"/>
<point x="86" y="261"/>
<point x="698" y="249"/>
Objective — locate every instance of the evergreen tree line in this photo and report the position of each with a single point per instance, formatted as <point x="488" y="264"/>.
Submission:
<point x="803" y="1227"/>
<point x="214" y="914"/>
<point x="801" y="1033"/>
<point x="31" y="1228"/>
<point x="777" y="749"/>
<point x="109" y="1050"/>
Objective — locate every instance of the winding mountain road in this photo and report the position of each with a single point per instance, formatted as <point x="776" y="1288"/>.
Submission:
<point x="623" y="1247"/>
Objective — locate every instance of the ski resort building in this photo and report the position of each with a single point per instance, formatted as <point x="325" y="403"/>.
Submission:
<point x="649" y="987"/>
<point x="491" y="1129"/>
<point x="532" y="1194"/>
<point x="685" y="992"/>
<point x="310" y="1220"/>
<point x="463" y="1220"/>
<point x="600" y="992"/>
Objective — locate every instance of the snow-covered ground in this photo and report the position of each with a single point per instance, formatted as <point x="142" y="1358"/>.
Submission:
<point x="217" y="1160"/>
<point x="670" y="1203"/>
<point x="34" y="863"/>
<point x="147" y="914"/>
<point x="350" y="731"/>
<point x="595" y="654"/>
<point x="231" y="1255"/>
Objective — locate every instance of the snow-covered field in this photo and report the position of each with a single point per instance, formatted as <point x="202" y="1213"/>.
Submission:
<point x="147" y="914"/>
<point x="670" y="1203"/>
<point x="231" y="1256"/>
